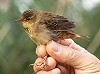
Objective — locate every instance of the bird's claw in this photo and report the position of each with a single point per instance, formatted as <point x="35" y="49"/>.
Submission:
<point x="42" y="64"/>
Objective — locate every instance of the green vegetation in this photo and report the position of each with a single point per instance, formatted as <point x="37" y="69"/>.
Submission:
<point x="17" y="50"/>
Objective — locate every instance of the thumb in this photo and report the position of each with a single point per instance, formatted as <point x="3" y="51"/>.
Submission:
<point x="68" y="55"/>
<point x="61" y="53"/>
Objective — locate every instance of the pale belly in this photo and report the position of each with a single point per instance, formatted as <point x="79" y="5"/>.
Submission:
<point x="40" y="38"/>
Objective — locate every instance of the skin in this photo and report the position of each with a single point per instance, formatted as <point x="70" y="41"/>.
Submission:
<point x="67" y="58"/>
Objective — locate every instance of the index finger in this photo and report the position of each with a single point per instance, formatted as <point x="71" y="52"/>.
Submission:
<point x="41" y="51"/>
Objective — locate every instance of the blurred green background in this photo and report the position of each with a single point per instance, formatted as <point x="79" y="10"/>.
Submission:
<point x="17" y="50"/>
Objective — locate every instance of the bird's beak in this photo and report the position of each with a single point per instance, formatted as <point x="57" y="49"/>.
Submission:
<point x="19" y="20"/>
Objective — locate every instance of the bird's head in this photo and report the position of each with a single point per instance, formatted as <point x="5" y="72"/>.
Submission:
<point x="28" y="18"/>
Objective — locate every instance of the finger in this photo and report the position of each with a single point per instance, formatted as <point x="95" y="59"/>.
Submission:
<point x="76" y="58"/>
<point x="66" y="42"/>
<point x="63" y="69"/>
<point x="41" y="51"/>
<point x="65" y="54"/>
<point x="53" y="71"/>
<point x="51" y="63"/>
<point x="70" y="43"/>
<point x="58" y="51"/>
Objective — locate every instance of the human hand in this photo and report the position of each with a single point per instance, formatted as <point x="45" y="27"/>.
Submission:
<point x="71" y="59"/>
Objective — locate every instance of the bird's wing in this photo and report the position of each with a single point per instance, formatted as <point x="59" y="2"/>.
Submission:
<point x="59" y="26"/>
<point x="56" y="22"/>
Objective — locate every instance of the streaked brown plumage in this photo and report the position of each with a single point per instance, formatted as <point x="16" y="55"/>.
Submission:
<point x="44" y="26"/>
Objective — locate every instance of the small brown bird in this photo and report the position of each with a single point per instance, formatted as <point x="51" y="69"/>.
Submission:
<point x="43" y="26"/>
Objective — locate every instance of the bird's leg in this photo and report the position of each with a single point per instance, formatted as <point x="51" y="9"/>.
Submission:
<point x="42" y="64"/>
<point x="31" y="64"/>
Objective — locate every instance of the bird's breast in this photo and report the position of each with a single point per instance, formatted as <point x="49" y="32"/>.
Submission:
<point x="39" y="34"/>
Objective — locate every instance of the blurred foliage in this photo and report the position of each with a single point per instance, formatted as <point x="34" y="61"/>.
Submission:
<point x="17" y="50"/>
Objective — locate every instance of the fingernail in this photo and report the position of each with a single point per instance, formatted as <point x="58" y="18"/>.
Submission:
<point x="55" y="46"/>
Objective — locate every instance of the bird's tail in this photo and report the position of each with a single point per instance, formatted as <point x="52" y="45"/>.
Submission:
<point x="82" y="37"/>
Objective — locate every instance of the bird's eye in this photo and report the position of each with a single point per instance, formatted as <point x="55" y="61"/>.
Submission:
<point x="27" y="19"/>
